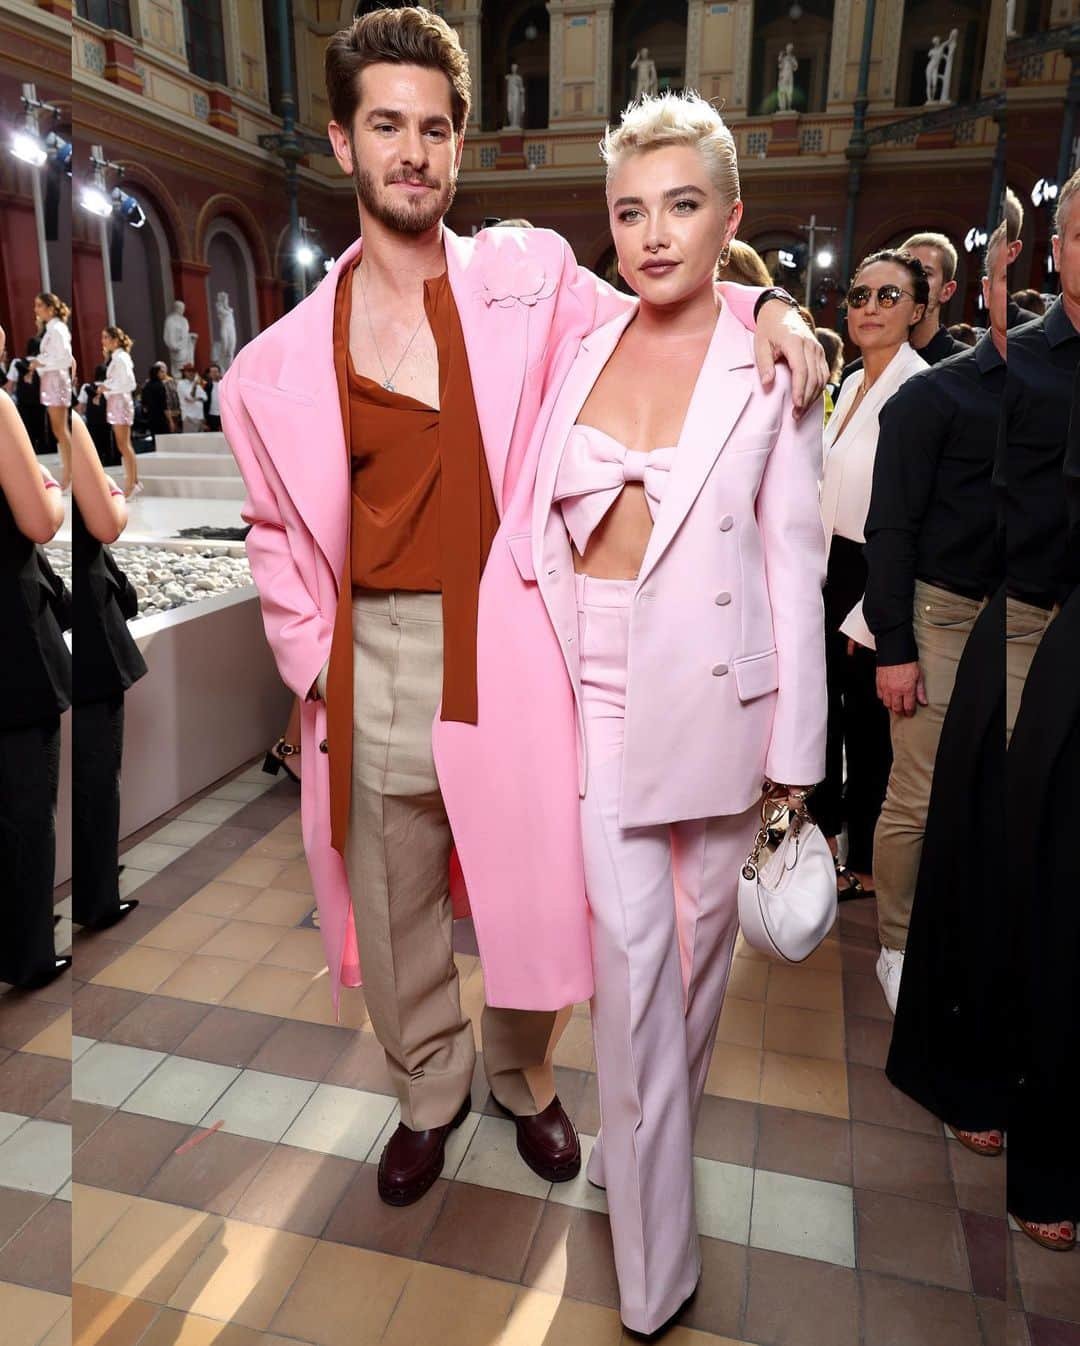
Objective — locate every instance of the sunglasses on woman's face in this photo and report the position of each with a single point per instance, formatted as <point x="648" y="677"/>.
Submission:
<point x="888" y="296"/>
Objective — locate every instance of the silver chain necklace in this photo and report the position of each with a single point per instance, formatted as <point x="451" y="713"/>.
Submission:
<point x="388" y="379"/>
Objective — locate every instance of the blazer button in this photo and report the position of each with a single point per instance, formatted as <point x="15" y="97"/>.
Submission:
<point x="719" y="670"/>
<point x="727" y="523"/>
<point x="324" y="746"/>
<point x="723" y="599"/>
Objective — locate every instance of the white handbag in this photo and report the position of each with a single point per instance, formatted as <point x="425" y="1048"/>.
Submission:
<point x="787" y="900"/>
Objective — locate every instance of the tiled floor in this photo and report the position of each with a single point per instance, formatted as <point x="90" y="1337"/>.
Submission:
<point x="226" y="1128"/>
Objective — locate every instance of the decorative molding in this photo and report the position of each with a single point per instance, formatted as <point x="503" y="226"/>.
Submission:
<point x="838" y="55"/>
<point x="890" y="59"/>
<point x="555" y="78"/>
<point x="743" y="49"/>
<point x="602" y="70"/>
<point x="695" y="27"/>
<point x="993" y="71"/>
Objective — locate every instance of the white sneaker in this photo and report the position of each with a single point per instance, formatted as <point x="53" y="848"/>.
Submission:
<point x="890" y="968"/>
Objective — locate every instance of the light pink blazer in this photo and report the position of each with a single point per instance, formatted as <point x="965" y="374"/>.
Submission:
<point x="509" y="782"/>
<point x="719" y="694"/>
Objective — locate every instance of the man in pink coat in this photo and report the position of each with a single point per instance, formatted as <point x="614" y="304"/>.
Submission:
<point x="384" y="429"/>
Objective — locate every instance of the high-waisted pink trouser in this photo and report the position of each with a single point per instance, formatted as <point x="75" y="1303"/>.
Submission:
<point x="664" y="915"/>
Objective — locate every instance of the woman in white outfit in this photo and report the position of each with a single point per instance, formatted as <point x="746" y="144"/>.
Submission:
<point x="54" y="365"/>
<point x="119" y="385"/>
<point x="678" y="547"/>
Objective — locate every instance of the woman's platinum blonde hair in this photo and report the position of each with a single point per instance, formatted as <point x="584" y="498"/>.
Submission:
<point x="654" y="122"/>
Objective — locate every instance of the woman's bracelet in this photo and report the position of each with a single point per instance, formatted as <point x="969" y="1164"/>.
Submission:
<point x="52" y="483"/>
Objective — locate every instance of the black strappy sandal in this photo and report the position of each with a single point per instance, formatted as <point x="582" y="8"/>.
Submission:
<point x="853" y="885"/>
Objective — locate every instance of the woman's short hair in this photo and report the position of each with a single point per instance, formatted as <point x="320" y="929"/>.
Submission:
<point x="744" y="266"/>
<point x="920" y="286"/>
<point x="833" y="345"/>
<point x="656" y="121"/>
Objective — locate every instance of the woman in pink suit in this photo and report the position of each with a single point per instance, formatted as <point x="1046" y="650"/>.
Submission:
<point x="678" y="547"/>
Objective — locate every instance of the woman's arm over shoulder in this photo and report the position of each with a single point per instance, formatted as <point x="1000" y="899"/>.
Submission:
<point x="38" y="508"/>
<point x="104" y="513"/>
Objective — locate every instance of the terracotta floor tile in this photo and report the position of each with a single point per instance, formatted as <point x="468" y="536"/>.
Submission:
<point x="174" y="1328"/>
<point x="243" y="1275"/>
<point x="726" y="1130"/>
<point x="28" y="1315"/>
<point x="255" y="871"/>
<point x="863" y="998"/>
<point x="898" y="1313"/>
<point x="502" y="1226"/>
<point x="126" y="1151"/>
<point x="140" y="969"/>
<point x="571" y="1255"/>
<point x="59" y="1107"/>
<point x="988" y="1250"/>
<point x="39" y="1255"/>
<point x="295" y="878"/>
<point x="94" y="1212"/>
<point x="206" y="980"/>
<point x="228" y="1037"/>
<point x="979" y="1182"/>
<point x="297" y="1190"/>
<point x="873" y="1099"/>
<point x="15" y="1209"/>
<point x="1049" y="1281"/>
<point x="304" y="1050"/>
<point x="903" y="1163"/>
<point x="804" y="989"/>
<point x="735" y="1072"/>
<point x="1047" y="1332"/>
<point x="345" y="1296"/>
<point x="749" y="979"/>
<point x="805" y="1145"/>
<point x="213" y="1175"/>
<point x="24" y="1016"/>
<point x="913" y="1239"/>
<point x="365" y="1221"/>
<point x="28" y="1082"/>
<point x="300" y="949"/>
<point x="539" y="1319"/>
<point x="268" y="990"/>
<point x="203" y="863"/>
<point x="317" y="1007"/>
<point x="868" y="1041"/>
<point x="741" y="1022"/>
<point x="827" y="957"/>
<point x="95" y="1009"/>
<point x="184" y="930"/>
<point x="149" y="1250"/>
<point x="277" y="906"/>
<point x="250" y="941"/>
<point x="718" y="1304"/>
<point x="55" y="1040"/>
<point x="284" y="847"/>
<point x="103" y="1319"/>
<point x="806" y="1084"/>
<point x="795" y="1302"/>
<point x="85" y="1120"/>
<point x="471" y="1308"/>
<point x="168" y="889"/>
<point x="160" y="1023"/>
<point x="94" y="953"/>
<point x="802" y="1032"/>
<point x="221" y="899"/>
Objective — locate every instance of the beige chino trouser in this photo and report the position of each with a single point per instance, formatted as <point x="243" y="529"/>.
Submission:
<point x="397" y="856"/>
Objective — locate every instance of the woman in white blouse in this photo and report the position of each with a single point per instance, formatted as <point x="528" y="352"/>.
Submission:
<point x="53" y="363"/>
<point x="119" y="385"/>
<point x="888" y="296"/>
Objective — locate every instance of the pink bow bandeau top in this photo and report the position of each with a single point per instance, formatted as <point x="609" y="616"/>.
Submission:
<point x="594" y="469"/>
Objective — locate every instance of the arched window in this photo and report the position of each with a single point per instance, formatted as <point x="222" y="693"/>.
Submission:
<point x="785" y="256"/>
<point x="232" y="270"/>
<point x="514" y="34"/>
<point x="925" y="20"/>
<point x="658" y="25"/>
<point x="144" y="295"/>
<point x="810" y="36"/>
<point x="205" y="38"/>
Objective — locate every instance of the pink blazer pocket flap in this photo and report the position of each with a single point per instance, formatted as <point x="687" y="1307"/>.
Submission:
<point x="756" y="674"/>
<point x="521" y="550"/>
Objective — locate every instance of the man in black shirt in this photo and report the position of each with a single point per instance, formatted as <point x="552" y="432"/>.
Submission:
<point x="932" y="557"/>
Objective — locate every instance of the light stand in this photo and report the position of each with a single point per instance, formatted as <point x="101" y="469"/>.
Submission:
<point x="28" y="147"/>
<point x="812" y="230"/>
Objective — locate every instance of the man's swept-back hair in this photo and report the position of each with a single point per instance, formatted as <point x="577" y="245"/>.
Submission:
<point x="406" y="36"/>
<point x="944" y="245"/>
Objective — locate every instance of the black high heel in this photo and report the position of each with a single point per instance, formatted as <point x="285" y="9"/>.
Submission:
<point x="60" y="966"/>
<point x="114" y="917"/>
<point x="274" y="762"/>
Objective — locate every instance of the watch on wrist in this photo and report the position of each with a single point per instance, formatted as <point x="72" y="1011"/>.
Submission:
<point x="774" y="292"/>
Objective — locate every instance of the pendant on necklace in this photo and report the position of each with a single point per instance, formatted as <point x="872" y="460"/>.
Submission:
<point x="389" y="387"/>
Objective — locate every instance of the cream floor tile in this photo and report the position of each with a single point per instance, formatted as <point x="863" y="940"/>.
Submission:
<point x="149" y="1250"/>
<point x="64" y="1193"/>
<point x="249" y="941"/>
<point x="580" y="1192"/>
<point x="275" y="906"/>
<point x="244" y="791"/>
<point x="299" y="949"/>
<point x="254" y="870"/>
<point x="472" y="1309"/>
<point x="54" y="1040"/>
<point x="80" y="1046"/>
<point x="182" y="930"/>
<point x="346" y="1122"/>
<point x="279" y="846"/>
<point x="749" y="979"/>
<point x="723" y="1194"/>
<point x="216" y="811"/>
<point x="802" y="1032"/>
<point x="735" y="1072"/>
<point x="206" y="980"/>
<point x="492" y="1160"/>
<point x="63" y="907"/>
<point x="99" y="1316"/>
<point x="151" y="855"/>
<point x="9" y="1124"/>
<point x="140" y="969"/>
<point x="741" y="1022"/>
<point x="269" y="990"/>
<point x="457" y="1145"/>
<point x="317" y="1007"/>
<point x="539" y="1319"/>
<point x="805" y="1084"/>
<point x="803" y="1218"/>
<point x="295" y="878"/>
<point x="109" y="1072"/>
<point x="806" y="989"/>
<point x="28" y="1315"/>
<point x="60" y="1332"/>
<point x="243" y="1275"/>
<point x="174" y="1328"/>
<point x="575" y="1046"/>
<point x="181" y="1090"/>
<point x="221" y="899"/>
<point x="37" y="1157"/>
<point x="260" y="1105"/>
<point x="63" y="935"/>
<point x="345" y="1296"/>
<point x="132" y="879"/>
<point x="183" y="832"/>
<point x="825" y="958"/>
<point x="93" y="1213"/>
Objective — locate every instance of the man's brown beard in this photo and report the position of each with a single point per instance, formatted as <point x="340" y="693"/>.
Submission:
<point x="401" y="219"/>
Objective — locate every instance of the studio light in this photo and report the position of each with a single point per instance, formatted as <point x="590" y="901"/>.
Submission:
<point x="96" y="200"/>
<point x="305" y="254"/>
<point x="825" y="259"/>
<point x="28" y="149"/>
<point x="786" y="259"/>
<point x="129" y="209"/>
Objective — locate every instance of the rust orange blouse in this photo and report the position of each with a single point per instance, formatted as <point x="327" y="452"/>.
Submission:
<point x="423" y="517"/>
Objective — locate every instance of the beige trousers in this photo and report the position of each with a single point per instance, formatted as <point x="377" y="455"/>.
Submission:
<point x="1025" y="626"/>
<point x="943" y="622"/>
<point x="397" y="856"/>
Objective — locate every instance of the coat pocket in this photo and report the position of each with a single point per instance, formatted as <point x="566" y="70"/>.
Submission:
<point x="756" y="674"/>
<point x="521" y="550"/>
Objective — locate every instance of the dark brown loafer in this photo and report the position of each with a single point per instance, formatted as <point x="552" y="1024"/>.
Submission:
<point x="548" y="1142"/>
<point x="412" y="1160"/>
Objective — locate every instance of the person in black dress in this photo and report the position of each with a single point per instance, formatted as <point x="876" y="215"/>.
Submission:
<point x="93" y="411"/>
<point x="155" y="401"/>
<point x="107" y="663"/>
<point x="35" y="689"/>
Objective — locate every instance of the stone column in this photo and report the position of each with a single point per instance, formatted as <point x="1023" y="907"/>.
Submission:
<point x="464" y="18"/>
<point x="993" y="71"/>
<point x="719" y="46"/>
<point x="580" y="78"/>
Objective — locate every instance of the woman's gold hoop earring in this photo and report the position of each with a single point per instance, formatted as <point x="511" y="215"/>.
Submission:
<point x="725" y="254"/>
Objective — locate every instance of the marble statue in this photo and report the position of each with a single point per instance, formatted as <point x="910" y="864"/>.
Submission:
<point x="226" y="342"/>
<point x="934" y="58"/>
<point x="788" y="63"/>
<point x="950" y="56"/>
<point x="515" y="100"/>
<point x="179" y="339"/>
<point x="647" y="80"/>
